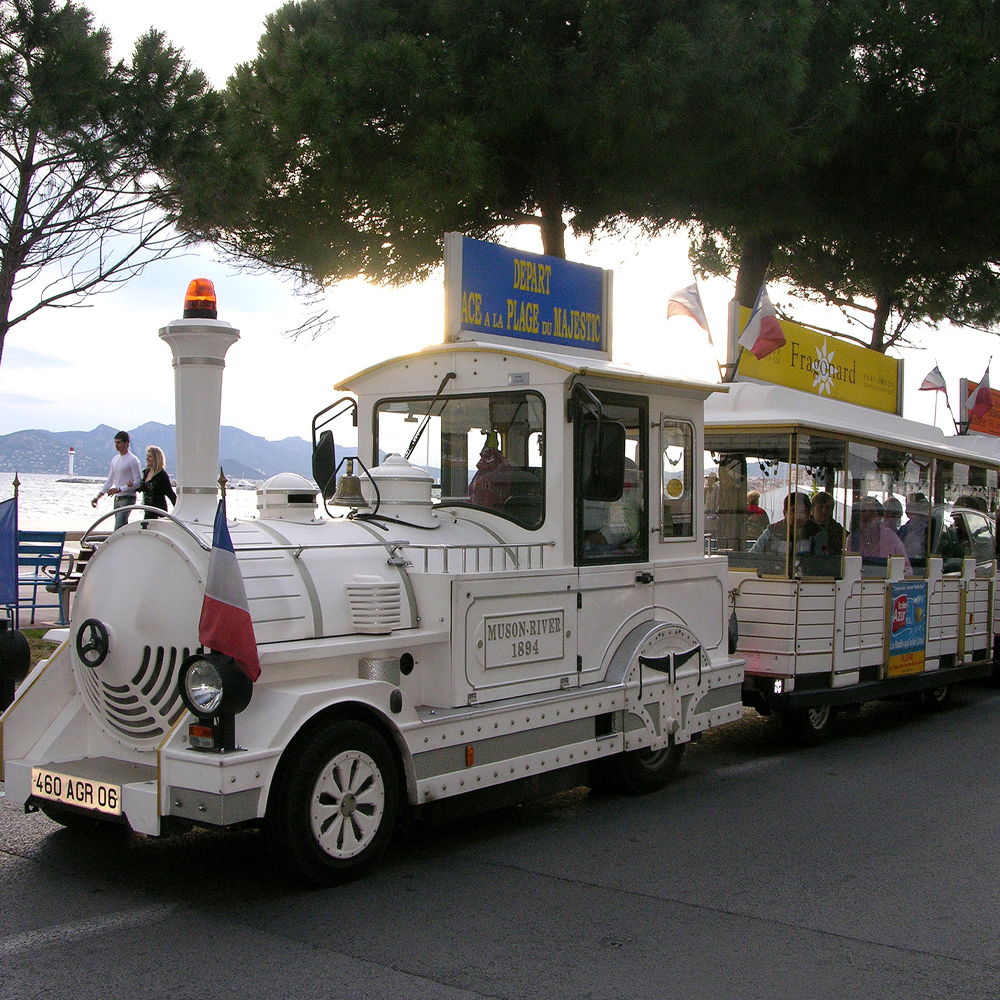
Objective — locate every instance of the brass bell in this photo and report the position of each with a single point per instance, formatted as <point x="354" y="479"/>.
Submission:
<point x="348" y="492"/>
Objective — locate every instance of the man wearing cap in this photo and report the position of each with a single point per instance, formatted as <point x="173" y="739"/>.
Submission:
<point x="874" y="539"/>
<point x="913" y="534"/>
<point x="121" y="483"/>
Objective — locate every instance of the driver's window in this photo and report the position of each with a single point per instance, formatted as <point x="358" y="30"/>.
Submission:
<point x="617" y="530"/>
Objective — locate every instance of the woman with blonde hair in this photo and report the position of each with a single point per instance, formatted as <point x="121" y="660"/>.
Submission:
<point x="155" y="486"/>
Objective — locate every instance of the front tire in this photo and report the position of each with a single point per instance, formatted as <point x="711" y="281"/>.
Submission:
<point x="337" y="806"/>
<point x="809" y="726"/>
<point x="640" y="771"/>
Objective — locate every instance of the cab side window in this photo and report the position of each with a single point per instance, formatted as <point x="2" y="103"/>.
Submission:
<point x="617" y="530"/>
<point x="677" y="479"/>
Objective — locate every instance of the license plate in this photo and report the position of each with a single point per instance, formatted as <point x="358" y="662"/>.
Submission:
<point x="69" y="790"/>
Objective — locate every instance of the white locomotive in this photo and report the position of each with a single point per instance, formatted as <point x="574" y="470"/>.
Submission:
<point x="519" y="602"/>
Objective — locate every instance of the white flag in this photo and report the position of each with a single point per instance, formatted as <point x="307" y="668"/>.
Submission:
<point x="687" y="302"/>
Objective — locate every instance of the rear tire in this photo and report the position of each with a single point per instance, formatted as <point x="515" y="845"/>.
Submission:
<point x="336" y="807"/>
<point x="809" y="726"/>
<point x="936" y="699"/>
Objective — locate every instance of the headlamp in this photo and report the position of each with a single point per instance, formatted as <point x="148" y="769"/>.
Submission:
<point x="213" y="684"/>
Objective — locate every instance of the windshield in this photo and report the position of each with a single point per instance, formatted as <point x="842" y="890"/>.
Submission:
<point x="481" y="451"/>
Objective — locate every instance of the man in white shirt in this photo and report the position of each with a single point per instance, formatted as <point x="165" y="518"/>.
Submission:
<point x="122" y="480"/>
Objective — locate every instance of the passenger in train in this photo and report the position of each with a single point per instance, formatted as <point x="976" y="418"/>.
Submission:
<point x="614" y="528"/>
<point x="873" y="538"/>
<point x="973" y="503"/>
<point x="892" y="513"/>
<point x="757" y="519"/>
<point x="774" y="538"/>
<point x="712" y="497"/>
<point x="829" y="537"/>
<point x="913" y="534"/>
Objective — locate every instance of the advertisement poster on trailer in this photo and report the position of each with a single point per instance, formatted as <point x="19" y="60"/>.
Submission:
<point x="494" y="292"/>
<point x="908" y="627"/>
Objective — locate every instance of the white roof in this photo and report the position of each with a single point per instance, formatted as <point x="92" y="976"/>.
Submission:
<point x="757" y="405"/>
<point x="568" y="364"/>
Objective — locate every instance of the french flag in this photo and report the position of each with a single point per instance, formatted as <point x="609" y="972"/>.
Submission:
<point x="980" y="400"/>
<point x="687" y="302"/>
<point x="226" y="626"/>
<point x="934" y="382"/>
<point x="762" y="335"/>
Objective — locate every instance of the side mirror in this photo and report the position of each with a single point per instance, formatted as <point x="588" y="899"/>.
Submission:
<point x="324" y="463"/>
<point x="602" y="460"/>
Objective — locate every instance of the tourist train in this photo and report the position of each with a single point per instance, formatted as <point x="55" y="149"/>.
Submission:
<point x="511" y="587"/>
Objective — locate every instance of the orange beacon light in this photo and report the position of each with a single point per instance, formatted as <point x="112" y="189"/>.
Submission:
<point x="200" y="302"/>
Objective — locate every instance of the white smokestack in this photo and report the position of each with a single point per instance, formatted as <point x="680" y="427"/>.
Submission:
<point x="199" y="348"/>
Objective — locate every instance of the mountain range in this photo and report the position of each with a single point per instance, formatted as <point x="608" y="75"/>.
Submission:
<point x="241" y="455"/>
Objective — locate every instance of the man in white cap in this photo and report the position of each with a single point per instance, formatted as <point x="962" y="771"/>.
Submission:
<point x="913" y="534"/>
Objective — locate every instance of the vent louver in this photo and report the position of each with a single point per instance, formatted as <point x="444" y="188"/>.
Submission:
<point x="148" y="704"/>
<point x="376" y="606"/>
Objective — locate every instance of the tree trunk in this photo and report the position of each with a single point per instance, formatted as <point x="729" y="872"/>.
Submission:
<point x="550" y="205"/>
<point x="883" y="307"/>
<point x="553" y="236"/>
<point x="756" y="255"/>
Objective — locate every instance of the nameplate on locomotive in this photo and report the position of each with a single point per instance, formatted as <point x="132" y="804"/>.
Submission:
<point x="524" y="638"/>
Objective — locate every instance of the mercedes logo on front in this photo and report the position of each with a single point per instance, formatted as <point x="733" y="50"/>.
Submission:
<point x="92" y="642"/>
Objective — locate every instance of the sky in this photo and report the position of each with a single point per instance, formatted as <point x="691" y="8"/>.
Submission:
<point x="104" y="363"/>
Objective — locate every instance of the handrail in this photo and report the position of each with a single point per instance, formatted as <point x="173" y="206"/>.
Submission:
<point x="156" y="510"/>
<point x="307" y="547"/>
<point x="509" y="550"/>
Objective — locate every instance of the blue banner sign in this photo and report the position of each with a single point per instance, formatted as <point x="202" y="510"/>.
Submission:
<point x="513" y="294"/>
<point x="907" y="627"/>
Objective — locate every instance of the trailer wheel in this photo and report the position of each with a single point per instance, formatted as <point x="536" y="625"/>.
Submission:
<point x="809" y="726"/>
<point x="936" y="699"/>
<point x="642" y="771"/>
<point x="336" y="809"/>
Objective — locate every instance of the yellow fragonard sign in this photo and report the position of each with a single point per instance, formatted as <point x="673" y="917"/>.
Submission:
<point x="826" y="366"/>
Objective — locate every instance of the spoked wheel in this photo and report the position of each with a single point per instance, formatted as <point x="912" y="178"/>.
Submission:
<point x="809" y="725"/>
<point x="335" y="812"/>
<point x="639" y="771"/>
<point x="936" y="699"/>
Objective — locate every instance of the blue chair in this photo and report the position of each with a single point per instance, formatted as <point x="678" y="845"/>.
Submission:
<point x="39" y="564"/>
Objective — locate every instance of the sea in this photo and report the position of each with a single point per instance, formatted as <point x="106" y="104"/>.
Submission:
<point x="45" y="503"/>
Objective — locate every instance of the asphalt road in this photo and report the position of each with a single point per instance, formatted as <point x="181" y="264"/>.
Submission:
<point x="863" y="868"/>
